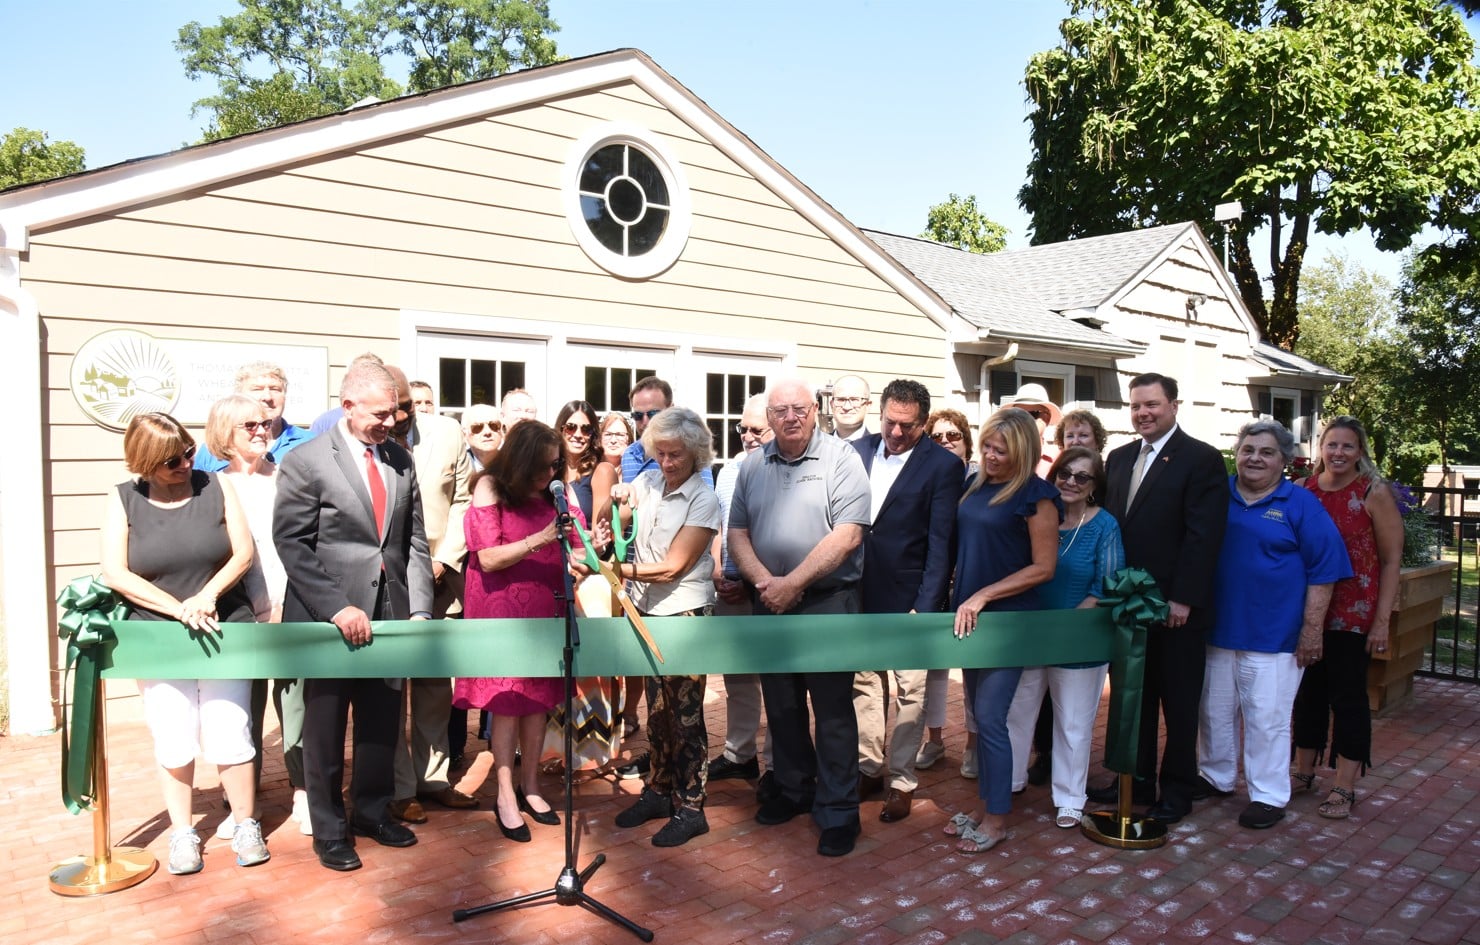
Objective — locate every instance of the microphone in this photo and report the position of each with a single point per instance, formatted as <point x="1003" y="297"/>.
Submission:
<point x="562" y="508"/>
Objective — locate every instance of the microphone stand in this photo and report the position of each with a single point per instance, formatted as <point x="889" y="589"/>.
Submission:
<point x="569" y="888"/>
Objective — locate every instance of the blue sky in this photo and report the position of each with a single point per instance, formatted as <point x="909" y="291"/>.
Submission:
<point x="883" y="107"/>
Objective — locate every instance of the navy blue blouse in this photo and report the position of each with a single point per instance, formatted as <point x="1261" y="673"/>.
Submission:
<point x="992" y="541"/>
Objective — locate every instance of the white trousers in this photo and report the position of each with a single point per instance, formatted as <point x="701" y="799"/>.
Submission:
<point x="206" y="717"/>
<point x="1259" y="689"/>
<point x="1076" y="701"/>
<point x="937" y="691"/>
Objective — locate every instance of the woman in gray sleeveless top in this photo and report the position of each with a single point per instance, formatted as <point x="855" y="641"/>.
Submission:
<point x="175" y="545"/>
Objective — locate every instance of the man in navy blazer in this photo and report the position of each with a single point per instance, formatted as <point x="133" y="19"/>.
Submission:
<point x="1169" y="492"/>
<point x="348" y="527"/>
<point x="916" y="485"/>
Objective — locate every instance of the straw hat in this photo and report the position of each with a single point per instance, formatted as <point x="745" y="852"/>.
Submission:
<point x="1033" y="395"/>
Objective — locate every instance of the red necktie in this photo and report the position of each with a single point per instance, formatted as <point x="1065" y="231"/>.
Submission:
<point x="377" y="489"/>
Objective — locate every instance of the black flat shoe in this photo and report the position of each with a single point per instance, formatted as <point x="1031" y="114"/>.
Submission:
<point x="547" y="817"/>
<point x="387" y="833"/>
<point x="519" y="834"/>
<point x="337" y="854"/>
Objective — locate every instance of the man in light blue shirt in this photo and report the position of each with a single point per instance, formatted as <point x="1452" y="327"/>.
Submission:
<point x="650" y="397"/>
<point x="265" y="383"/>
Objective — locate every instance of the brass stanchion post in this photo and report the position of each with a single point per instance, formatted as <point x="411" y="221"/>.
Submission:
<point x="110" y="868"/>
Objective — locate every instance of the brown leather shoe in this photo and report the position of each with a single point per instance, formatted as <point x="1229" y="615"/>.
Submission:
<point x="896" y="805"/>
<point x="407" y="809"/>
<point x="869" y="785"/>
<point x="451" y="797"/>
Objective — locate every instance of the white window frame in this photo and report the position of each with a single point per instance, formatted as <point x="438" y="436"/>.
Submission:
<point x="680" y="207"/>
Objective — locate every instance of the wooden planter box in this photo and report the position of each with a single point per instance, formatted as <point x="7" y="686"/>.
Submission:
<point x="1421" y="593"/>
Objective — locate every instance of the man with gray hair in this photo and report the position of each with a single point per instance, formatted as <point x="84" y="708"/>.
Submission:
<point x="797" y="521"/>
<point x="267" y="384"/>
<point x="348" y="527"/>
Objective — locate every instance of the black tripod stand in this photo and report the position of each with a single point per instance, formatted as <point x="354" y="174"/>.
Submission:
<point x="569" y="888"/>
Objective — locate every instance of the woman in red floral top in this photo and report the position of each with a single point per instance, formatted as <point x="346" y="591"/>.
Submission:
<point x="1333" y="693"/>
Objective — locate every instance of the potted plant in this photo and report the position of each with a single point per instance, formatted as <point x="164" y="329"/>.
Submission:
<point x="1423" y="584"/>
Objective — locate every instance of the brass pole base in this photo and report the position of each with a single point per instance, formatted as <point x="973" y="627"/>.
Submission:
<point x="87" y="876"/>
<point x="1129" y="833"/>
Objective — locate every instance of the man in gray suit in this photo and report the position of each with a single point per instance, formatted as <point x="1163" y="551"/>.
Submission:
<point x="348" y="528"/>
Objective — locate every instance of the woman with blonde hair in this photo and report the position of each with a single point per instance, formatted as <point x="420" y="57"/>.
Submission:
<point x="175" y="546"/>
<point x="1008" y="528"/>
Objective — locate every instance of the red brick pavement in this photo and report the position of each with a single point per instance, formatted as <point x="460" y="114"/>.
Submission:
<point x="1402" y="869"/>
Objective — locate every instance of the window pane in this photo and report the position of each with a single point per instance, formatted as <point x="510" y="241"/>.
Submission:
<point x="645" y="233"/>
<point x="602" y="226"/>
<point x="484" y="376"/>
<point x="735" y="394"/>
<point x="649" y="178"/>
<point x="596" y="388"/>
<point x="602" y="167"/>
<point x="714" y="393"/>
<point x="450" y="382"/>
<point x="513" y="375"/>
<point x="757" y="386"/>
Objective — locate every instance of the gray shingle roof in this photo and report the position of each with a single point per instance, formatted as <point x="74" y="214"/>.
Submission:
<point x="1020" y="293"/>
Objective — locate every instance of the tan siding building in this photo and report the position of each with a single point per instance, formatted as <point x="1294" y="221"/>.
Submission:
<point x="452" y="233"/>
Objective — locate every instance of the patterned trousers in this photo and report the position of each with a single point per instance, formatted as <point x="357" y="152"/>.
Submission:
<point x="679" y="740"/>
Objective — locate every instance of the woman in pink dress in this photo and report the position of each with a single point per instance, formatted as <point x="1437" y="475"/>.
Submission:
<point x="516" y="570"/>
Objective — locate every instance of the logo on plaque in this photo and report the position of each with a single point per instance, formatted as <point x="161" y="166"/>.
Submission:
<point x="120" y="374"/>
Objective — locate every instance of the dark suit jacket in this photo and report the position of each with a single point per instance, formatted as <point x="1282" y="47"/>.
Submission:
<point x="1174" y="528"/>
<point x="908" y="552"/>
<point x="324" y="528"/>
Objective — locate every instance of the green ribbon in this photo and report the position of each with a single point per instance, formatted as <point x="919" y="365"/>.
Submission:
<point x="89" y="608"/>
<point x="1135" y="603"/>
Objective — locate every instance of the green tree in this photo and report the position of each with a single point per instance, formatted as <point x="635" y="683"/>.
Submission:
<point x="279" y="61"/>
<point x="26" y="156"/>
<point x="1349" y="322"/>
<point x="1311" y="113"/>
<point x="959" y="223"/>
<point x="1439" y="313"/>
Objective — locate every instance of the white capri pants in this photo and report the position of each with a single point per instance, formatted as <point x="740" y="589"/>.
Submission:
<point x="1260" y="688"/>
<point x="1076" y="701"/>
<point x="199" y="717"/>
<point x="937" y="690"/>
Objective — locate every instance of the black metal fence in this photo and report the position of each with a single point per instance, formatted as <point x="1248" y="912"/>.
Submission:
<point x="1452" y="654"/>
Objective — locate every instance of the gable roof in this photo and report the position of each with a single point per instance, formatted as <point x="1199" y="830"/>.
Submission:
<point x="1012" y="295"/>
<point x="110" y="189"/>
<point x="1279" y="361"/>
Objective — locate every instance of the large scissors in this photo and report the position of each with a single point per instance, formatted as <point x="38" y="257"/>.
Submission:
<point x="619" y="590"/>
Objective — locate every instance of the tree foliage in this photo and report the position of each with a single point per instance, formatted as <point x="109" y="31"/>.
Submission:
<point x="280" y="61"/>
<point x="26" y="156"/>
<point x="1311" y="113"/>
<point x="1439" y="313"/>
<point x="959" y="223"/>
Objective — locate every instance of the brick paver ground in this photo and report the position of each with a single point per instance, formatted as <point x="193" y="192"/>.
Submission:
<point x="1402" y="869"/>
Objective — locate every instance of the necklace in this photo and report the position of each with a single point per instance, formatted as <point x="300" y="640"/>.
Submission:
<point x="1083" y="513"/>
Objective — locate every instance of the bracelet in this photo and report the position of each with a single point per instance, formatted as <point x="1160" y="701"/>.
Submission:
<point x="528" y="548"/>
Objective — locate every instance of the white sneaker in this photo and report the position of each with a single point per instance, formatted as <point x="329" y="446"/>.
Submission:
<point x="968" y="764"/>
<point x="226" y="829"/>
<point x="185" y="852"/>
<point x="300" y="814"/>
<point x="930" y="753"/>
<point x="248" y="845"/>
<point x="1069" y="818"/>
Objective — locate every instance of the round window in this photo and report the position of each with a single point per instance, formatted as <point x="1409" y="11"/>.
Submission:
<point x="626" y="203"/>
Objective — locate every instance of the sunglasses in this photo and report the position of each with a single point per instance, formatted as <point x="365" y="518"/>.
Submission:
<point x="492" y="427"/>
<point x="753" y="431"/>
<point x="641" y="415"/>
<point x="1083" y="479"/>
<point x="252" y="426"/>
<point x="587" y="428"/>
<point x="949" y="436"/>
<point x="185" y="457"/>
<point x="1038" y="413"/>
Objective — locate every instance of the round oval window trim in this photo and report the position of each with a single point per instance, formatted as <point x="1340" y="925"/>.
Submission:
<point x="627" y="201"/>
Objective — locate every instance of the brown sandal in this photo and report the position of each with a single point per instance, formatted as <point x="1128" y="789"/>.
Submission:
<point x="1341" y="808"/>
<point x="1304" y="782"/>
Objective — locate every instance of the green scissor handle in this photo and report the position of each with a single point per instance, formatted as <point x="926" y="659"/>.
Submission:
<point x="590" y="560"/>
<point x="622" y="540"/>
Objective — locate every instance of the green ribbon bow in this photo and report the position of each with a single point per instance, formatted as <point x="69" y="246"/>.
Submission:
<point x="89" y="608"/>
<point x="1135" y="604"/>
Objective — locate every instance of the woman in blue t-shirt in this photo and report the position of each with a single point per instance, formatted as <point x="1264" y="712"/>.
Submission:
<point x="1007" y="533"/>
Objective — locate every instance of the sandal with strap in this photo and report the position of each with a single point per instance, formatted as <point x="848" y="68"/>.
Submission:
<point x="1304" y="782"/>
<point x="1341" y="808"/>
<point x="958" y="825"/>
<point x="974" y="840"/>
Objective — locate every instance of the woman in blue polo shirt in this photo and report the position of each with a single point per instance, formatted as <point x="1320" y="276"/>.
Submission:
<point x="1281" y="555"/>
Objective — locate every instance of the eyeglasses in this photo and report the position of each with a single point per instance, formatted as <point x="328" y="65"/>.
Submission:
<point x="492" y="427"/>
<point x="948" y="436"/>
<point x="849" y="401"/>
<point x="185" y="457"/>
<point x="786" y="410"/>
<point x="753" y="431"/>
<point x="1083" y="479"/>
<point x="252" y="426"/>
<point x="641" y="415"/>
<point x="571" y="428"/>
<point x="614" y="435"/>
<point x="1038" y="413"/>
